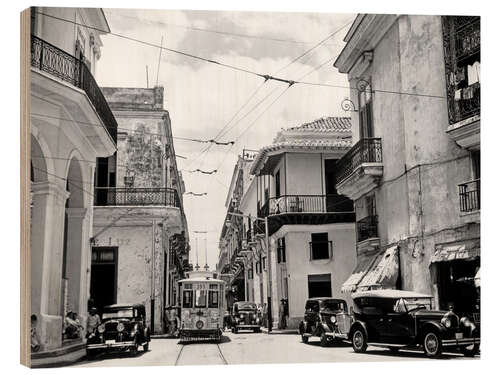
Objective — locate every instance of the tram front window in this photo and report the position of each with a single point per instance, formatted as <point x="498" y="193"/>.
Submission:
<point x="213" y="298"/>
<point x="187" y="299"/>
<point x="200" y="298"/>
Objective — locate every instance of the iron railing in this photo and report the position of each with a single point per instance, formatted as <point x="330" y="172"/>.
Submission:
<point x="118" y="196"/>
<point x="60" y="64"/>
<point x="470" y="196"/>
<point x="367" y="228"/>
<point x="367" y="150"/>
<point x="287" y="204"/>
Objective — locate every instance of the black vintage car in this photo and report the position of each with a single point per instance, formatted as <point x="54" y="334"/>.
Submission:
<point x="397" y="319"/>
<point x="326" y="318"/>
<point x="123" y="328"/>
<point x="245" y="316"/>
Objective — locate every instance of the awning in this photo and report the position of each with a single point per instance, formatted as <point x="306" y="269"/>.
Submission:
<point x="365" y="262"/>
<point x="384" y="273"/>
<point x="466" y="250"/>
<point x="477" y="279"/>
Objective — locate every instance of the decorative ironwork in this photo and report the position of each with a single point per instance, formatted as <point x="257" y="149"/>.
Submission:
<point x="60" y="64"/>
<point x="117" y="196"/>
<point x="348" y="105"/>
<point x="367" y="228"/>
<point x="362" y="84"/>
<point x="287" y="204"/>
<point x="470" y="196"/>
<point x="462" y="48"/>
<point x="367" y="150"/>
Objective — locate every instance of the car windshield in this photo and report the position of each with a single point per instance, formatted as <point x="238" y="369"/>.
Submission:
<point x="414" y="303"/>
<point x="122" y="313"/>
<point x="246" y="306"/>
<point x="334" y="305"/>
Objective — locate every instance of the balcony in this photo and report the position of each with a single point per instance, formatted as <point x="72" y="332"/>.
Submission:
<point x="367" y="234"/>
<point x="359" y="171"/>
<point x="306" y="209"/>
<point x="56" y="62"/>
<point x="117" y="196"/>
<point x="462" y="49"/>
<point x="469" y="194"/>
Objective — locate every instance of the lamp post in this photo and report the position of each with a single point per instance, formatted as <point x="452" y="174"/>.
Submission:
<point x="269" y="274"/>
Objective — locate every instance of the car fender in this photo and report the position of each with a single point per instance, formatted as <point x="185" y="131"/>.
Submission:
<point x="356" y="325"/>
<point x="325" y="327"/>
<point x="428" y="325"/>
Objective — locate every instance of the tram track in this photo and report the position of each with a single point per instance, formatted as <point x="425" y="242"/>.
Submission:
<point x="190" y="354"/>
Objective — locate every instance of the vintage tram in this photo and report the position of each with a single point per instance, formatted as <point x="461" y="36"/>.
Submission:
<point x="202" y="307"/>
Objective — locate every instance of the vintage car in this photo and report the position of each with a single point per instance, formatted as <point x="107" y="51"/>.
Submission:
<point x="245" y="316"/>
<point x="326" y="318"/>
<point x="397" y="319"/>
<point x="123" y="328"/>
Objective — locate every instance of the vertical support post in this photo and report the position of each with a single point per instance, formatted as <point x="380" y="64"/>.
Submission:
<point x="246" y="278"/>
<point x="269" y="277"/>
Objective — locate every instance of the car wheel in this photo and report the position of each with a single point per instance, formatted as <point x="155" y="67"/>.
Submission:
<point x="305" y="339"/>
<point x="432" y="345"/>
<point x="256" y="330"/>
<point x="145" y="347"/>
<point x="324" y="339"/>
<point x="470" y="351"/>
<point x="359" y="341"/>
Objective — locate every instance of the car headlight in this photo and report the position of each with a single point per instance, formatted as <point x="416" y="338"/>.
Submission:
<point x="101" y="328"/>
<point x="333" y="319"/>
<point x="120" y="327"/>
<point x="242" y="316"/>
<point x="446" y="322"/>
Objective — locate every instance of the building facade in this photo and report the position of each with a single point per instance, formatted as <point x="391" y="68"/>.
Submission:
<point x="140" y="237"/>
<point x="71" y="125"/>
<point x="413" y="171"/>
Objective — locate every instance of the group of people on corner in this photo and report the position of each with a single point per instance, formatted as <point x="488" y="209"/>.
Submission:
<point x="172" y="321"/>
<point x="72" y="328"/>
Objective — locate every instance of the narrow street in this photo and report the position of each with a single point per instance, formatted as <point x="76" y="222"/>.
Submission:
<point x="251" y="348"/>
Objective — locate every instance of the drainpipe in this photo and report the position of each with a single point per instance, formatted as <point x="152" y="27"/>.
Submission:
<point x="153" y="276"/>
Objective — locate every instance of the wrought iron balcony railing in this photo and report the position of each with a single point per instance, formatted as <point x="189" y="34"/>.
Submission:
<point x="367" y="228"/>
<point x="470" y="196"/>
<point x="287" y="204"/>
<point x="60" y="64"/>
<point x="367" y="150"/>
<point x="118" y="196"/>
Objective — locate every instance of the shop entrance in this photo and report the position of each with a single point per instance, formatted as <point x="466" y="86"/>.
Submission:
<point x="456" y="286"/>
<point x="103" y="276"/>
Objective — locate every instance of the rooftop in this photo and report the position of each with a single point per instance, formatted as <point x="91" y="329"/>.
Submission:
<point x="325" y="124"/>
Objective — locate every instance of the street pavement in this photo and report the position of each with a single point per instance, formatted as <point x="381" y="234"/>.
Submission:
<point x="251" y="348"/>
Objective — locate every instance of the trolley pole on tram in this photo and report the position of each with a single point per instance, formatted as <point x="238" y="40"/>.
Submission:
<point x="269" y="276"/>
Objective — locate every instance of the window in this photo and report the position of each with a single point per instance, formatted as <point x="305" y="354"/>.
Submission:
<point x="365" y="113"/>
<point x="281" y="250"/>
<point x="319" y="285"/>
<point x="263" y="263"/>
<point x="250" y="273"/>
<point x="476" y="164"/>
<point x="213" y="298"/>
<point x="277" y="183"/>
<point x="312" y="306"/>
<point x="200" y="298"/>
<point x="320" y="247"/>
<point x="187" y="299"/>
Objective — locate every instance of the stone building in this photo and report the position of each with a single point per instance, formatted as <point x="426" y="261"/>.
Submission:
<point x="413" y="171"/>
<point x="140" y="237"/>
<point x="71" y="125"/>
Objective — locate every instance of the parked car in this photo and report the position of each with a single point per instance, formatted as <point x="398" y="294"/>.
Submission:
<point x="123" y="328"/>
<point x="397" y="319"/>
<point x="326" y="318"/>
<point x="245" y="316"/>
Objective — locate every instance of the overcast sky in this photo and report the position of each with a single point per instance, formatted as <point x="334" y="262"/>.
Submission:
<point x="201" y="97"/>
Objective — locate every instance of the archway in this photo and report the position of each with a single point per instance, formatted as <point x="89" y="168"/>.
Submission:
<point x="73" y="242"/>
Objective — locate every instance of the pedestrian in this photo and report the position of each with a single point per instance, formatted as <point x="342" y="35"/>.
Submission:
<point x="72" y="326"/>
<point x="35" y="341"/>
<point x="283" y="313"/>
<point x="93" y="321"/>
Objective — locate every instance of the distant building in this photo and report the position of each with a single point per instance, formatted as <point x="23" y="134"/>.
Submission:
<point x="414" y="169"/>
<point x="140" y="236"/>
<point x="71" y="125"/>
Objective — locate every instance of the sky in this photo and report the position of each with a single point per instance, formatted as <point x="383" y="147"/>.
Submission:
<point x="202" y="98"/>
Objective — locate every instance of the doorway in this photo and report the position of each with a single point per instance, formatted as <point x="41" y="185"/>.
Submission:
<point x="334" y="201"/>
<point x="103" y="276"/>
